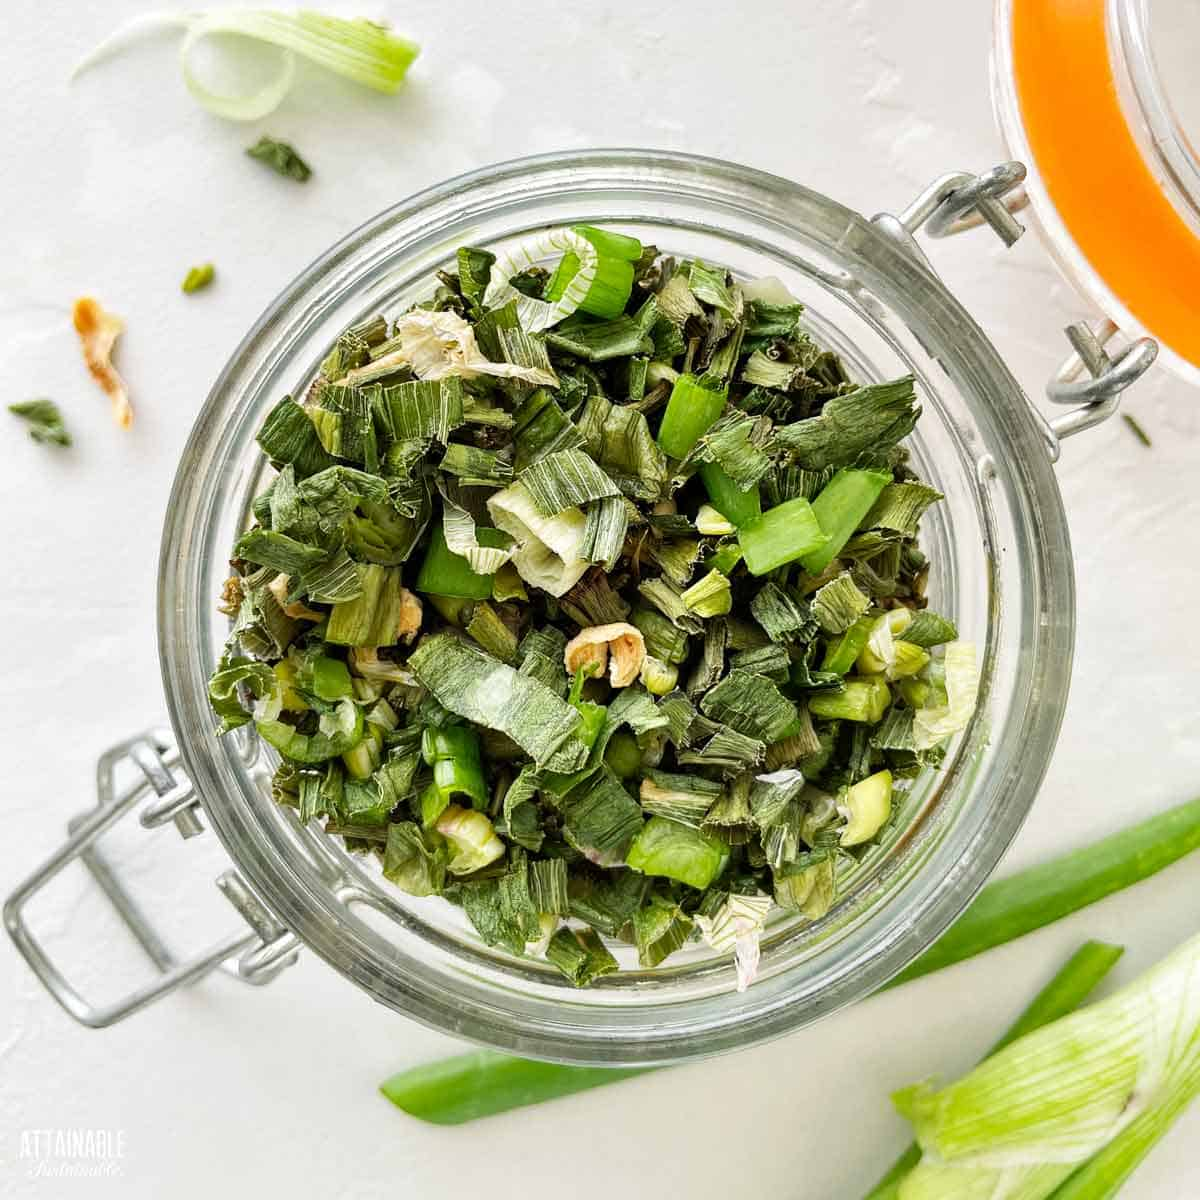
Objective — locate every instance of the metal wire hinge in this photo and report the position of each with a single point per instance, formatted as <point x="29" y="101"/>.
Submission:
<point x="254" y="955"/>
<point x="960" y="201"/>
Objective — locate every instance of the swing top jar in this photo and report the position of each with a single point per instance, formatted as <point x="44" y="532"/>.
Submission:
<point x="1098" y="98"/>
<point x="1001" y="567"/>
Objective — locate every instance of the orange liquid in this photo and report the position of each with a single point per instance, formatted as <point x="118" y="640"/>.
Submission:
<point x="1095" y="174"/>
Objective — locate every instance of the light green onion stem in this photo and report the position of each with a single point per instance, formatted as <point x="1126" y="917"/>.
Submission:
<point x="840" y="505"/>
<point x="444" y="573"/>
<point x="691" y="411"/>
<point x="483" y="1083"/>
<point x="781" y="535"/>
<point x="610" y="289"/>
<point x="1077" y="979"/>
<point x="735" y="505"/>
<point x="453" y="753"/>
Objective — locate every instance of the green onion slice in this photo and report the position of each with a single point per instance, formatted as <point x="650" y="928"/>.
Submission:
<point x="538" y="315"/>
<point x="363" y="51"/>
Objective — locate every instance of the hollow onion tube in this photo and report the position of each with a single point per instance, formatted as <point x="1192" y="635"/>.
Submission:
<point x="781" y="535"/>
<point x="444" y="573"/>
<point x="609" y="291"/>
<point x="691" y="412"/>
<point x="453" y="752"/>
<point x="839" y="506"/>
<point x="737" y="505"/>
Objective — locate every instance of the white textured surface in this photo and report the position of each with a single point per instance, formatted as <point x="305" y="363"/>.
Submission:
<point x="116" y="185"/>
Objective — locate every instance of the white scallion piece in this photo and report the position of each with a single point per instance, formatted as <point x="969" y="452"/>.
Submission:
<point x="537" y="315"/>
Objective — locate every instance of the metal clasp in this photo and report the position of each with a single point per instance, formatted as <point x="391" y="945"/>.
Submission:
<point x="254" y="955"/>
<point x="960" y="201"/>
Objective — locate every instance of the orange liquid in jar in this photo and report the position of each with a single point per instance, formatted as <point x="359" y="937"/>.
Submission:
<point x="1095" y="174"/>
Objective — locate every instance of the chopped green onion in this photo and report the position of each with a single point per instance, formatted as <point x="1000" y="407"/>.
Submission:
<point x="580" y="955"/>
<point x="869" y="419"/>
<point x="725" y="558"/>
<point x="677" y="852"/>
<point x="345" y="731"/>
<point x="739" y="506"/>
<point x="781" y="535"/>
<point x="928" y="629"/>
<point x="474" y="271"/>
<point x="444" y="573"/>
<point x="327" y="678"/>
<point x="610" y="289"/>
<point x="600" y="341"/>
<point x="373" y="617"/>
<point x="663" y="639"/>
<point x="682" y="798"/>
<point x="623" y="755"/>
<point x="479" y="688"/>
<point x="453" y="752"/>
<point x="737" y="925"/>
<point x="711" y="523"/>
<point x="605" y="525"/>
<point x="475" y="466"/>
<point x="735" y="444"/>
<point x="473" y="838"/>
<point x="709" y="284"/>
<point x="1136" y="427"/>
<point x="866" y="806"/>
<point x="549" y="550"/>
<point x="931" y="726"/>
<point x="618" y="438"/>
<point x="600" y="818"/>
<point x="412" y="860"/>
<point x="838" y="604"/>
<point x="900" y="507"/>
<point x="839" y="507"/>
<point x="842" y="654"/>
<point x="565" y="479"/>
<point x="660" y="927"/>
<point x="490" y="631"/>
<point x="198" y="277"/>
<point x="710" y="596"/>
<point x="781" y="616"/>
<point x="727" y="748"/>
<point x="752" y="705"/>
<point x="281" y="157"/>
<point x="864" y="700"/>
<point x="45" y="421"/>
<point x="691" y="411"/>
<point x="658" y="678"/>
<point x="361" y="760"/>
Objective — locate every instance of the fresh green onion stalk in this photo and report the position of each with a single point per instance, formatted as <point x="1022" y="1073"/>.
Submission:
<point x="1019" y="1125"/>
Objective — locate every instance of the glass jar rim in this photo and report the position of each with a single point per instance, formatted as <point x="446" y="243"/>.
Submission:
<point x="885" y="942"/>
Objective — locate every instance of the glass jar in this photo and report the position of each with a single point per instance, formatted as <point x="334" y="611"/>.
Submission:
<point x="1001" y="566"/>
<point x="1097" y="97"/>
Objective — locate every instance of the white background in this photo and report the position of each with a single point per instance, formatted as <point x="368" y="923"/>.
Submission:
<point x="115" y="185"/>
